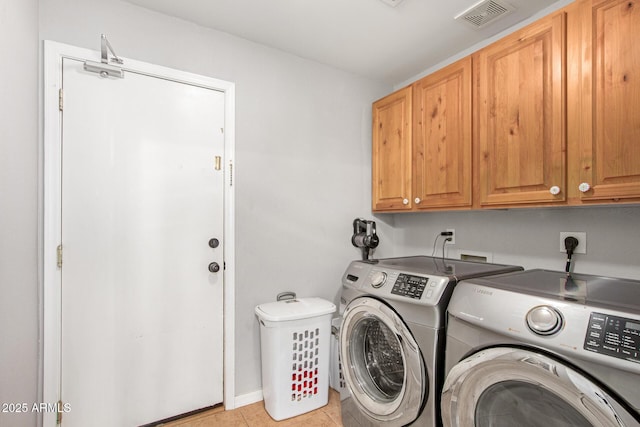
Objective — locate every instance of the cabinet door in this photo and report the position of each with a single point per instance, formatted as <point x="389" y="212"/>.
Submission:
<point x="520" y="123"/>
<point x="442" y="137"/>
<point x="391" y="152"/>
<point x="611" y="108"/>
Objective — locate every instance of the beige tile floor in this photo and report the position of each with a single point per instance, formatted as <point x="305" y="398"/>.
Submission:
<point x="255" y="415"/>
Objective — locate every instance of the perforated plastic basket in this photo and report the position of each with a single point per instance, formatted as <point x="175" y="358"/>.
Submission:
<point x="295" y="343"/>
<point x="336" y="376"/>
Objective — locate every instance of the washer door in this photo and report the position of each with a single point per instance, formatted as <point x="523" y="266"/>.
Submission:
<point x="506" y="387"/>
<point x="382" y="363"/>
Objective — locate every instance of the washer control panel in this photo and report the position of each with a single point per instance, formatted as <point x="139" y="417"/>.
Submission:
<point x="409" y="286"/>
<point x="381" y="281"/>
<point x="613" y="336"/>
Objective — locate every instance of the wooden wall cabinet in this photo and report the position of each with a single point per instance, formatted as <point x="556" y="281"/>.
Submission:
<point x="391" y="152"/>
<point x="607" y="125"/>
<point x="421" y="156"/>
<point x="520" y="116"/>
<point x="554" y="120"/>
<point x="442" y="161"/>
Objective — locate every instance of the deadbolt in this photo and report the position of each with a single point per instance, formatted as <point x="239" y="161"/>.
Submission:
<point x="214" y="267"/>
<point x="214" y="243"/>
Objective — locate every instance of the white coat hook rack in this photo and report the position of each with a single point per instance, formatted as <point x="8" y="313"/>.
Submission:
<point x="103" y="67"/>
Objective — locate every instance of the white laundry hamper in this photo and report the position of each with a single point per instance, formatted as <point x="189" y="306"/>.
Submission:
<point x="336" y="376"/>
<point x="295" y="342"/>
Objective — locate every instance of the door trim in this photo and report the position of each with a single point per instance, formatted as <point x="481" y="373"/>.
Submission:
<point x="49" y="226"/>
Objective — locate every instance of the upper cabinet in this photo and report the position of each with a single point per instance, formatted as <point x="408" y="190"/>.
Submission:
<point x="422" y="148"/>
<point x="608" y="124"/>
<point x="548" y="115"/>
<point x="442" y="138"/>
<point x="520" y="116"/>
<point x="391" y="152"/>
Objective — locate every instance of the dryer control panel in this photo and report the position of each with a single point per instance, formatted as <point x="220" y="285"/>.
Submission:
<point x="613" y="336"/>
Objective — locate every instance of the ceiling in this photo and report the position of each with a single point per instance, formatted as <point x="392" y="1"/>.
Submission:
<point x="365" y="37"/>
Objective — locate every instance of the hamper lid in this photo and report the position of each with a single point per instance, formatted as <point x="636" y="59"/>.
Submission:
<point x="293" y="309"/>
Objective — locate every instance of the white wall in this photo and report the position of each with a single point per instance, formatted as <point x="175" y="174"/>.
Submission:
<point x="18" y="207"/>
<point x="529" y="237"/>
<point x="303" y="135"/>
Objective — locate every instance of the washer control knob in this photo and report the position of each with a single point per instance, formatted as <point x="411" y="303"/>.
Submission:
<point x="378" y="278"/>
<point x="544" y="320"/>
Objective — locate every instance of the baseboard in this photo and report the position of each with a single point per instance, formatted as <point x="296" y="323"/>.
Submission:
<point x="249" y="398"/>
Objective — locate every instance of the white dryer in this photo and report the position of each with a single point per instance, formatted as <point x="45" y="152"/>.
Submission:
<point x="392" y="335"/>
<point x="540" y="349"/>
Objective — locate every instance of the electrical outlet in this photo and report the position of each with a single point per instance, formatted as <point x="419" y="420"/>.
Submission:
<point x="452" y="237"/>
<point x="582" y="241"/>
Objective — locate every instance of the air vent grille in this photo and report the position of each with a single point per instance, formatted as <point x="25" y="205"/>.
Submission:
<point x="481" y="14"/>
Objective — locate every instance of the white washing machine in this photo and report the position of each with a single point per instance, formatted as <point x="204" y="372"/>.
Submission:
<point x="540" y="348"/>
<point x="392" y="335"/>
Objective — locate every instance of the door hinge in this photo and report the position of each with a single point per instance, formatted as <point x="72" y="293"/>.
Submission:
<point x="59" y="255"/>
<point x="59" y="414"/>
<point x="218" y="165"/>
<point x="230" y="174"/>
<point x="60" y="99"/>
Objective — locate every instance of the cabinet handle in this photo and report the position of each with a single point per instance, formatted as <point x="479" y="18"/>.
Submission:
<point x="555" y="190"/>
<point x="405" y="201"/>
<point x="584" y="187"/>
<point x="417" y="200"/>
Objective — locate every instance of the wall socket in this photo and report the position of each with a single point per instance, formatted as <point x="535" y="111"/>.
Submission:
<point x="582" y="241"/>
<point x="452" y="237"/>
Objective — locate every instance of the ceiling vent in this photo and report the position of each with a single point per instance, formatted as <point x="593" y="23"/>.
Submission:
<point x="484" y="12"/>
<point x="392" y="3"/>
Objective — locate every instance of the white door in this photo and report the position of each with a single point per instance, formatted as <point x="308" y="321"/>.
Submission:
<point x="141" y="198"/>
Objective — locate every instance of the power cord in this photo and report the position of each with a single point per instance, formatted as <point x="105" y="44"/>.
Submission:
<point x="570" y="244"/>
<point x="448" y="239"/>
<point x="446" y="234"/>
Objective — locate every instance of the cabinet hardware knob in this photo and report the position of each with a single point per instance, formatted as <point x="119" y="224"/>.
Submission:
<point x="555" y="190"/>
<point x="417" y="200"/>
<point x="584" y="187"/>
<point x="405" y="201"/>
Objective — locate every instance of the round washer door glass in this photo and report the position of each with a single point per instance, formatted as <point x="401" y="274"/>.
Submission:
<point x="382" y="363"/>
<point x="505" y="387"/>
<point x="382" y="370"/>
<point x="502" y="403"/>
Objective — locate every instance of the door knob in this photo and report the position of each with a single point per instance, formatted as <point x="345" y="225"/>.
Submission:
<point x="214" y="243"/>
<point x="214" y="267"/>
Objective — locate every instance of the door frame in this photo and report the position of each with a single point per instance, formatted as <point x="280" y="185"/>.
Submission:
<point x="50" y="228"/>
